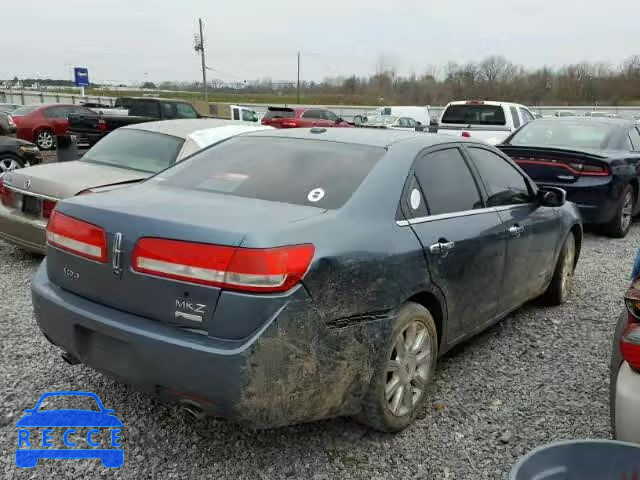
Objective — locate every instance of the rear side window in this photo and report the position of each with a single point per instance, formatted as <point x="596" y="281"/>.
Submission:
<point x="474" y="115"/>
<point x="300" y="172"/>
<point x="279" y="113"/>
<point x="447" y="182"/>
<point x="504" y="184"/>
<point x="143" y="108"/>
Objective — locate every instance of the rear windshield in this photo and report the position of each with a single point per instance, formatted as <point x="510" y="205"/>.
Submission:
<point x="279" y="113"/>
<point x="474" y="115"/>
<point x="300" y="172"/>
<point x="135" y="150"/>
<point x="561" y="134"/>
<point x="24" y="111"/>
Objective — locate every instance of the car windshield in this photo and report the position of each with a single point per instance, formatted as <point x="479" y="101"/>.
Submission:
<point x="69" y="402"/>
<point x="474" y="115"/>
<point x="562" y="134"/>
<point x="136" y="150"/>
<point x="300" y="172"/>
<point x="24" y="111"/>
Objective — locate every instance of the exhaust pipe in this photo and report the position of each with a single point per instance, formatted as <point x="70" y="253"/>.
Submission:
<point x="70" y="359"/>
<point x="192" y="409"/>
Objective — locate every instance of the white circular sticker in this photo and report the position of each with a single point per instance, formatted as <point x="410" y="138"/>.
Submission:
<point x="415" y="199"/>
<point x="315" y="195"/>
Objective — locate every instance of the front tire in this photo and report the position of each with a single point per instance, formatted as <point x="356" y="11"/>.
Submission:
<point x="45" y="140"/>
<point x="403" y="371"/>
<point x="561" y="285"/>
<point x="10" y="162"/>
<point x="621" y="223"/>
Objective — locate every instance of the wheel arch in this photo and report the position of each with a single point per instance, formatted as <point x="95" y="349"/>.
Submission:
<point x="576" y="229"/>
<point x="635" y="184"/>
<point x="436" y="305"/>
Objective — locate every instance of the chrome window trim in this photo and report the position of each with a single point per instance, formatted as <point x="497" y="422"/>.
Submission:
<point x="464" y="213"/>
<point x="31" y="194"/>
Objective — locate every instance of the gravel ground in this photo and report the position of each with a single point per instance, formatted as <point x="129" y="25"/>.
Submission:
<point x="536" y="377"/>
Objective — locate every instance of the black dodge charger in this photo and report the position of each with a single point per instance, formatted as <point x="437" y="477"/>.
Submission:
<point x="595" y="160"/>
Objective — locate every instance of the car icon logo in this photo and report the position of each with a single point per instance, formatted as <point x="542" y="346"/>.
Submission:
<point x="69" y="433"/>
<point x="27" y="184"/>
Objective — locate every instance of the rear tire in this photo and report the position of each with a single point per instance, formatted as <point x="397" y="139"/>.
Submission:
<point x="45" y="140"/>
<point x="621" y="223"/>
<point x="559" y="290"/>
<point x="402" y="372"/>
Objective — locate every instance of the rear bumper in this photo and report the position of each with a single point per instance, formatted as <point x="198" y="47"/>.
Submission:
<point x="627" y="403"/>
<point x="24" y="232"/>
<point x="291" y="370"/>
<point x="597" y="200"/>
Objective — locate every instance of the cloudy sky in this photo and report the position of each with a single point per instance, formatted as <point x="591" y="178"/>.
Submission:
<point x="136" y="40"/>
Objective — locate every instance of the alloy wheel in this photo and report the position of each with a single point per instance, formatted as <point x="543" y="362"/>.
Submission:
<point x="8" y="164"/>
<point x="44" y="140"/>
<point x="408" y="369"/>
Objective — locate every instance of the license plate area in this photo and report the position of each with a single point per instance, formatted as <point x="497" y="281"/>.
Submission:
<point x="31" y="206"/>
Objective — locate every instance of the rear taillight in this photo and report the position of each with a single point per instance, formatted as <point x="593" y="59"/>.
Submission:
<point x="574" y="166"/>
<point x="47" y="208"/>
<point x="247" y="269"/>
<point x="289" y="124"/>
<point x="466" y="134"/>
<point x="6" y="195"/>
<point x="77" y="237"/>
<point x="630" y="341"/>
<point x="102" y="125"/>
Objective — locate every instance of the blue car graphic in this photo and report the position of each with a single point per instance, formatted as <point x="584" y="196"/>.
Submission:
<point x="70" y="418"/>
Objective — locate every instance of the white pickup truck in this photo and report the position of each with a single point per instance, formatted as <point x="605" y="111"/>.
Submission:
<point x="491" y="122"/>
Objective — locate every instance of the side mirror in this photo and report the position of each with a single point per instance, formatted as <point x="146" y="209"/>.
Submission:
<point x="29" y="411"/>
<point x="551" y="197"/>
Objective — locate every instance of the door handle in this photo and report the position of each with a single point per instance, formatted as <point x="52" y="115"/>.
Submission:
<point x="515" y="231"/>
<point x="441" y="248"/>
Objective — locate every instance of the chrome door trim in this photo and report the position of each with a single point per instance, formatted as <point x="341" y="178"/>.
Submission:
<point x="31" y="194"/>
<point x="464" y="213"/>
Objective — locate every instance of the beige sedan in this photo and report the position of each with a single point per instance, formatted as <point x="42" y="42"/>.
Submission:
<point x="126" y="156"/>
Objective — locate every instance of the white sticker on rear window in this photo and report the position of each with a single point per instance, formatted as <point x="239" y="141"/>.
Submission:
<point x="315" y="195"/>
<point x="415" y="199"/>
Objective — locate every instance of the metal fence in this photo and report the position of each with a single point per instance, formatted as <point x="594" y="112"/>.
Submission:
<point x="30" y="97"/>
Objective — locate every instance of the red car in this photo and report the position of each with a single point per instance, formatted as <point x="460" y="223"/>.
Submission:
<point x="41" y="123"/>
<point x="282" y="117"/>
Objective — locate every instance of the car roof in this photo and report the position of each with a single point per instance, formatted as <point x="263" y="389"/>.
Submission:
<point x="493" y="103"/>
<point x="620" y="122"/>
<point x="361" y="136"/>
<point x="156" y="98"/>
<point x="181" y="128"/>
<point x="209" y="136"/>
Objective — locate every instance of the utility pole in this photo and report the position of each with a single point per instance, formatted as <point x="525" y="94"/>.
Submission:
<point x="199" y="47"/>
<point x="298" y="77"/>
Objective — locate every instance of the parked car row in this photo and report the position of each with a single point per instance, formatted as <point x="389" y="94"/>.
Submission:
<point x="253" y="265"/>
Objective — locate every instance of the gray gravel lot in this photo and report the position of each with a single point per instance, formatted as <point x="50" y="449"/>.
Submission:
<point x="536" y="377"/>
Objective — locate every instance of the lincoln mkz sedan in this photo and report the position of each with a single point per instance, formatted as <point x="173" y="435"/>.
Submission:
<point x="291" y="275"/>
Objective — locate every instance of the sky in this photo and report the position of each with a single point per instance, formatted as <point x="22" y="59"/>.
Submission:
<point x="143" y="40"/>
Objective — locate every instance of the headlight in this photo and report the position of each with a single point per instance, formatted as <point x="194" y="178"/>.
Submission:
<point x="28" y="149"/>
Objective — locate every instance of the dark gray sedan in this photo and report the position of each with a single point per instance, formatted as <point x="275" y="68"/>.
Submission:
<point x="292" y="275"/>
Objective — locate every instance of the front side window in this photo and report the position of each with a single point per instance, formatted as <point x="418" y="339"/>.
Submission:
<point x="186" y="111"/>
<point x="168" y="110"/>
<point x="447" y="182"/>
<point x="248" y="116"/>
<point x="329" y="115"/>
<point x="57" y="112"/>
<point x="514" y="115"/>
<point x="526" y="115"/>
<point x="504" y="184"/>
<point x="317" y="114"/>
